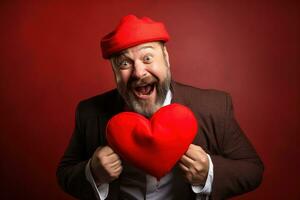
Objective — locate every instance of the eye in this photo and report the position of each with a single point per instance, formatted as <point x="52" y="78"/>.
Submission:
<point x="148" y="59"/>
<point x="124" y="64"/>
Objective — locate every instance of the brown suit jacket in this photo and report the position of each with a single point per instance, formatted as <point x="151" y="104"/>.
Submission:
<point x="237" y="167"/>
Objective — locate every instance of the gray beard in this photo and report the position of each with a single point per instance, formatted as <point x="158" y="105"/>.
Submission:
<point x="144" y="107"/>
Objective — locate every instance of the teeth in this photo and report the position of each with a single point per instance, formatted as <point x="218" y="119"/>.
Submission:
<point x="144" y="90"/>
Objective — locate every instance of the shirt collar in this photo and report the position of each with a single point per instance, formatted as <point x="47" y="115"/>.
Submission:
<point x="168" y="98"/>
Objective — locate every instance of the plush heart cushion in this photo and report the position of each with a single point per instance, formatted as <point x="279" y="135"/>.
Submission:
<point x="153" y="145"/>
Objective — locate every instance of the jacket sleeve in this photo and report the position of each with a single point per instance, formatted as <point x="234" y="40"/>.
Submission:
<point x="238" y="169"/>
<point x="71" y="169"/>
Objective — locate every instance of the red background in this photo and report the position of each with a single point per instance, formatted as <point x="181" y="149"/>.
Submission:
<point x="50" y="59"/>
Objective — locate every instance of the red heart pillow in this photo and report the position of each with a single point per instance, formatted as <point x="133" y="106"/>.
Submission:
<point x="153" y="145"/>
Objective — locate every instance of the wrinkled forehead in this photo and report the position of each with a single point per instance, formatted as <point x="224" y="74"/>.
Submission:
<point x="139" y="48"/>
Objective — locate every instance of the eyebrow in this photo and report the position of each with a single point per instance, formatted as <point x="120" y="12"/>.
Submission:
<point x="145" y="47"/>
<point x="123" y="53"/>
<point x="120" y="57"/>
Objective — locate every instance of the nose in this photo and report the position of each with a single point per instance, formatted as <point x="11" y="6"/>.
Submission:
<point x="139" y="70"/>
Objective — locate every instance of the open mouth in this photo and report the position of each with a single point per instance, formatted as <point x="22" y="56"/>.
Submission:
<point x="144" y="91"/>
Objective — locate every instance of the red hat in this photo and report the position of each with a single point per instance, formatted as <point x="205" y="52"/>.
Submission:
<point x="132" y="31"/>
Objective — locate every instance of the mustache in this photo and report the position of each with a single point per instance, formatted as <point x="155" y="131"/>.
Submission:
<point x="132" y="83"/>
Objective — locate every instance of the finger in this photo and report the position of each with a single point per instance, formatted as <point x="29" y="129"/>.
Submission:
<point x="196" y="147"/>
<point x="116" y="164"/>
<point x="189" y="176"/>
<point x="113" y="157"/>
<point x="118" y="170"/>
<point x="186" y="161"/>
<point x="194" y="154"/>
<point x="183" y="167"/>
<point x="107" y="150"/>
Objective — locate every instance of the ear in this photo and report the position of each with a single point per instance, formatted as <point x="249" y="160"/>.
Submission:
<point x="166" y="55"/>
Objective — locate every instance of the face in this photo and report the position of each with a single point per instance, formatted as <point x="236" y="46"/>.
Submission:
<point x="143" y="76"/>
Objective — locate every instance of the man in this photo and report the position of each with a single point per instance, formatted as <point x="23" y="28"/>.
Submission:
<point x="220" y="163"/>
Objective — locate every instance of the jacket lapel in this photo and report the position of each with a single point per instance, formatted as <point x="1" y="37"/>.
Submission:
<point x="179" y="96"/>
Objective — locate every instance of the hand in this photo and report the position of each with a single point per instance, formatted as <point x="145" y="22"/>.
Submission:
<point x="194" y="164"/>
<point x="105" y="165"/>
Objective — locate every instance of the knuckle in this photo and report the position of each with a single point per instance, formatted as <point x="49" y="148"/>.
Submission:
<point x="204" y="159"/>
<point x="116" y="155"/>
<point x="99" y="154"/>
<point x="193" y="171"/>
<point x="105" y="150"/>
<point x="99" y="148"/>
<point x="103" y="161"/>
<point x="198" y="168"/>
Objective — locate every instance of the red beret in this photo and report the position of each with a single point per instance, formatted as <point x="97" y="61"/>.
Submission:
<point x="132" y="31"/>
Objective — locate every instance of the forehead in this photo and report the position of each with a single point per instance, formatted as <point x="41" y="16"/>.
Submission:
<point x="141" y="47"/>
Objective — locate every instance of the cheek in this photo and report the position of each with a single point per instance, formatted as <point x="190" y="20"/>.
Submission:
<point x="160" y="72"/>
<point x="124" y="76"/>
<point x="160" y="69"/>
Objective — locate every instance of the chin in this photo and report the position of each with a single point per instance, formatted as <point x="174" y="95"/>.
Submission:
<point x="145" y="109"/>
